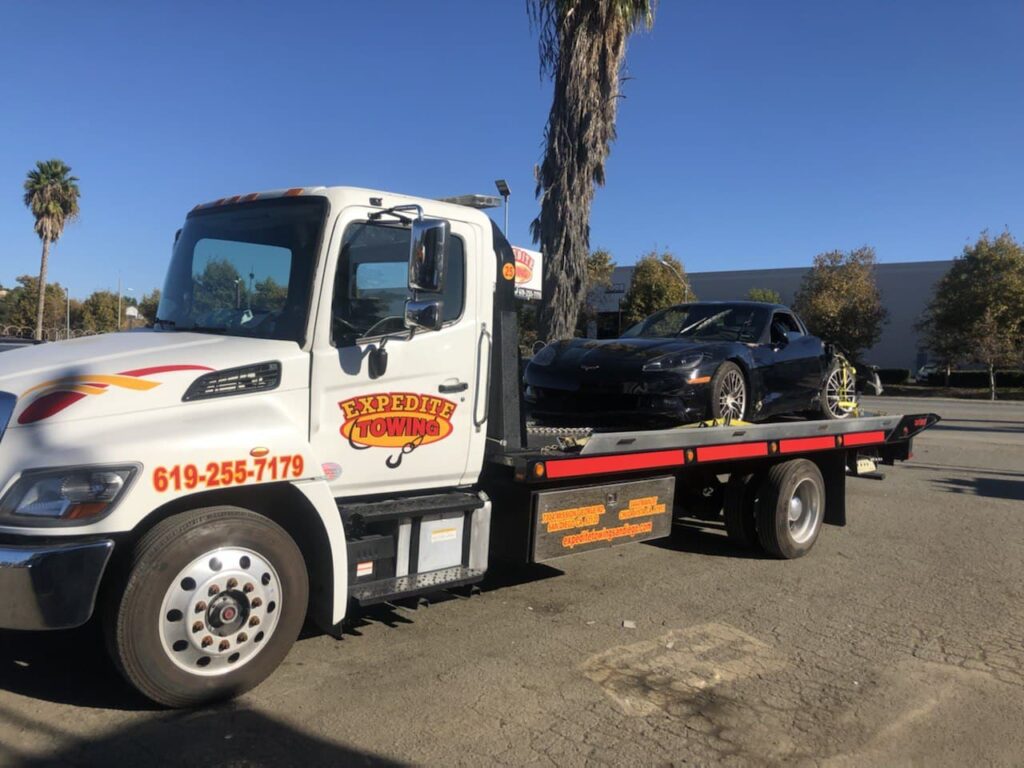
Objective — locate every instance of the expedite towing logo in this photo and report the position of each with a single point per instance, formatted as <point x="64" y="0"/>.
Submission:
<point x="396" y="419"/>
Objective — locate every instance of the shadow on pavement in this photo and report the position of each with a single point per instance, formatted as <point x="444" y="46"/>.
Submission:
<point x="67" y="667"/>
<point x="230" y="735"/>
<point x="703" y="539"/>
<point x="989" y="487"/>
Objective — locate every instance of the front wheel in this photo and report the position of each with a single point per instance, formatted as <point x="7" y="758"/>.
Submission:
<point x="214" y="599"/>
<point x="729" y="396"/>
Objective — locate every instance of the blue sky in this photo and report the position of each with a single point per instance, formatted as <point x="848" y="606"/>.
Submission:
<point x="752" y="134"/>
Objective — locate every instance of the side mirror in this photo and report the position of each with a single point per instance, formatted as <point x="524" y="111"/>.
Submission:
<point x="425" y="315"/>
<point x="428" y="255"/>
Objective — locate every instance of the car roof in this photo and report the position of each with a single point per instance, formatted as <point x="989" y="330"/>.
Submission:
<point x="737" y="303"/>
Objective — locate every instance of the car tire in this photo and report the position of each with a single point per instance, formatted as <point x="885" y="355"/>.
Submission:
<point x="791" y="508"/>
<point x="730" y="396"/>
<point x="740" y="509"/>
<point x="835" y="390"/>
<point x="214" y="599"/>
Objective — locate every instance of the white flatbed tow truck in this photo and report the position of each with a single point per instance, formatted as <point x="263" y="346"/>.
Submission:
<point x="328" y="412"/>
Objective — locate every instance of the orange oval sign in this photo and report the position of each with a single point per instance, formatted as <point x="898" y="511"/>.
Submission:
<point x="508" y="271"/>
<point x="395" y="419"/>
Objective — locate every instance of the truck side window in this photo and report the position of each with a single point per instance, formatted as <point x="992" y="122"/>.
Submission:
<point x="371" y="284"/>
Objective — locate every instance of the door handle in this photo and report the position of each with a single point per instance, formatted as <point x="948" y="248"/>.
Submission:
<point x="447" y="389"/>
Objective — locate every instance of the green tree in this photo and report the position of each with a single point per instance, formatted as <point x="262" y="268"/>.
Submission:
<point x="148" y="306"/>
<point x="51" y="193"/>
<point x="269" y="295"/>
<point x="582" y="48"/>
<point x="99" y="312"/>
<point x="19" y="309"/>
<point x="977" y="312"/>
<point x="840" y="301"/>
<point x="766" y="295"/>
<point x="659" y="281"/>
<point x="219" y="287"/>
<point x="600" y="267"/>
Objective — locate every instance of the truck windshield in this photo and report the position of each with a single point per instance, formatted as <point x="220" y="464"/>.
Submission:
<point x="245" y="270"/>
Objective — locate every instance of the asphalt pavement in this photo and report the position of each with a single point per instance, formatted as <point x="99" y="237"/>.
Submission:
<point x="899" y="640"/>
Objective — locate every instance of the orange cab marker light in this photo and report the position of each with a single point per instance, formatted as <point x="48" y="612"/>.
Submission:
<point x="293" y="192"/>
<point x="259" y="452"/>
<point x="250" y="197"/>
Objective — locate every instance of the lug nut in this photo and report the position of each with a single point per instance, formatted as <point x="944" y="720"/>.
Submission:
<point x="256" y="602"/>
<point x="254" y="621"/>
<point x="200" y="606"/>
<point x="214" y="589"/>
<point x="248" y="587"/>
<point x="207" y="641"/>
<point x="242" y="637"/>
<point x="232" y="583"/>
<point x="197" y="626"/>
<point x="224" y="645"/>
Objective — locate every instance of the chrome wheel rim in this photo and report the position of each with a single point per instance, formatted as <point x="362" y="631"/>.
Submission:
<point x="732" y="397"/>
<point x="219" y="611"/>
<point x="836" y="393"/>
<point x="804" y="511"/>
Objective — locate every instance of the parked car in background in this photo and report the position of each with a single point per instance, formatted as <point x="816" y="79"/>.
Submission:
<point x="740" y="361"/>
<point x="8" y="343"/>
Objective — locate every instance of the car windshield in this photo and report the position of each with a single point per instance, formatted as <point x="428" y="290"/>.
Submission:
<point x="704" y="322"/>
<point x="244" y="270"/>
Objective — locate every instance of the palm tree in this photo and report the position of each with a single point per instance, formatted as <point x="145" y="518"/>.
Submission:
<point x="582" y="47"/>
<point x="51" y="193"/>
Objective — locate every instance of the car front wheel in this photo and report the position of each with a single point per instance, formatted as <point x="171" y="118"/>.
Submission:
<point x="729" y="396"/>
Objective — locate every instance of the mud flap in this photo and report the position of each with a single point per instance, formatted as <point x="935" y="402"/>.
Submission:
<point x="833" y="472"/>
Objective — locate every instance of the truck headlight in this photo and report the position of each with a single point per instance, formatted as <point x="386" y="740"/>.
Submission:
<point x="73" y="494"/>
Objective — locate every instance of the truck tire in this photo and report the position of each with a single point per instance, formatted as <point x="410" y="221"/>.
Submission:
<point x="213" y="600"/>
<point x="740" y="509"/>
<point x="791" y="508"/>
<point x="730" y="395"/>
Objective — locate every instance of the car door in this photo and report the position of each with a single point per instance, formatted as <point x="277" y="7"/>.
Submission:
<point x="786" y="357"/>
<point x="410" y="426"/>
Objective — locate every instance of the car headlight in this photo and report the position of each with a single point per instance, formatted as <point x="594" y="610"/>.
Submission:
<point x="675" y="361"/>
<point x="68" y="495"/>
<point x="545" y="357"/>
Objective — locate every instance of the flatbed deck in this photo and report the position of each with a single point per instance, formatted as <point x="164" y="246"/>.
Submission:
<point x="612" y="452"/>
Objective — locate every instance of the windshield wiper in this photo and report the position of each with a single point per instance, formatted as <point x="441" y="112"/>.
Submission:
<point x="205" y="329"/>
<point x="165" y="323"/>
<point x="701" y="323"/>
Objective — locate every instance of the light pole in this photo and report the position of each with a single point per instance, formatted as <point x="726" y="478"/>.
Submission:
<point x="67" y="313"/>
<point x="505" y="192"/>
<point x="675" y="271"/>
<point x="127" y="290"/>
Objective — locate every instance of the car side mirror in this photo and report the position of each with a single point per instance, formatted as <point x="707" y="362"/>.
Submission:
<point x="424" y="315"/>
<point x="428" y="255"/>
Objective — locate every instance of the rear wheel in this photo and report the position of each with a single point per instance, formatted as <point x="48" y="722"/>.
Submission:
<point x="791" y="508"/>
<point x="839" y="392"/>
<point x="729" y="396"/>
<point x="214" y="599"/>
<point x="740" y="509"/>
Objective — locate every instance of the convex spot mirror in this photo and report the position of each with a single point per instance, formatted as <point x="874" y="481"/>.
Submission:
<point x="428" y="255"/>
<point x="424" y="315"/>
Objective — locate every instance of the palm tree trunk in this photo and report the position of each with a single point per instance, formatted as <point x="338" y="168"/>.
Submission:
<point x="42" y="289"/>
<point x="992" y="381"/>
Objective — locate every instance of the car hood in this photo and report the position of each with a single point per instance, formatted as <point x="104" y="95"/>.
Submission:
<point x="119" y="373"/>
<point x="609" y="355"/>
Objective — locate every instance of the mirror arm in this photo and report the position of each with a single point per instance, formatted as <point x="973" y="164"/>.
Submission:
<point x="397" y="211"/>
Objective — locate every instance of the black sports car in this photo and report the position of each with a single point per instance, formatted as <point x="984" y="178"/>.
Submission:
<point x="737" y="360"/>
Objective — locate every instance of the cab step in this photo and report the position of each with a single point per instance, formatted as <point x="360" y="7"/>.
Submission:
<point x="409" y="506"/>
<point x="384" y="590"/>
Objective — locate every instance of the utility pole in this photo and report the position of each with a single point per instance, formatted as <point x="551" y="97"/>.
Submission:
<point x="67" y="314"/>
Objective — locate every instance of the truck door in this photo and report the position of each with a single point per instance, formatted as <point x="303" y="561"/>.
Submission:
<point x="410" y="426"/>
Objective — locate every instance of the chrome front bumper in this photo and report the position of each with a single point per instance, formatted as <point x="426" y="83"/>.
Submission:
<point x="50" y="586"/>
